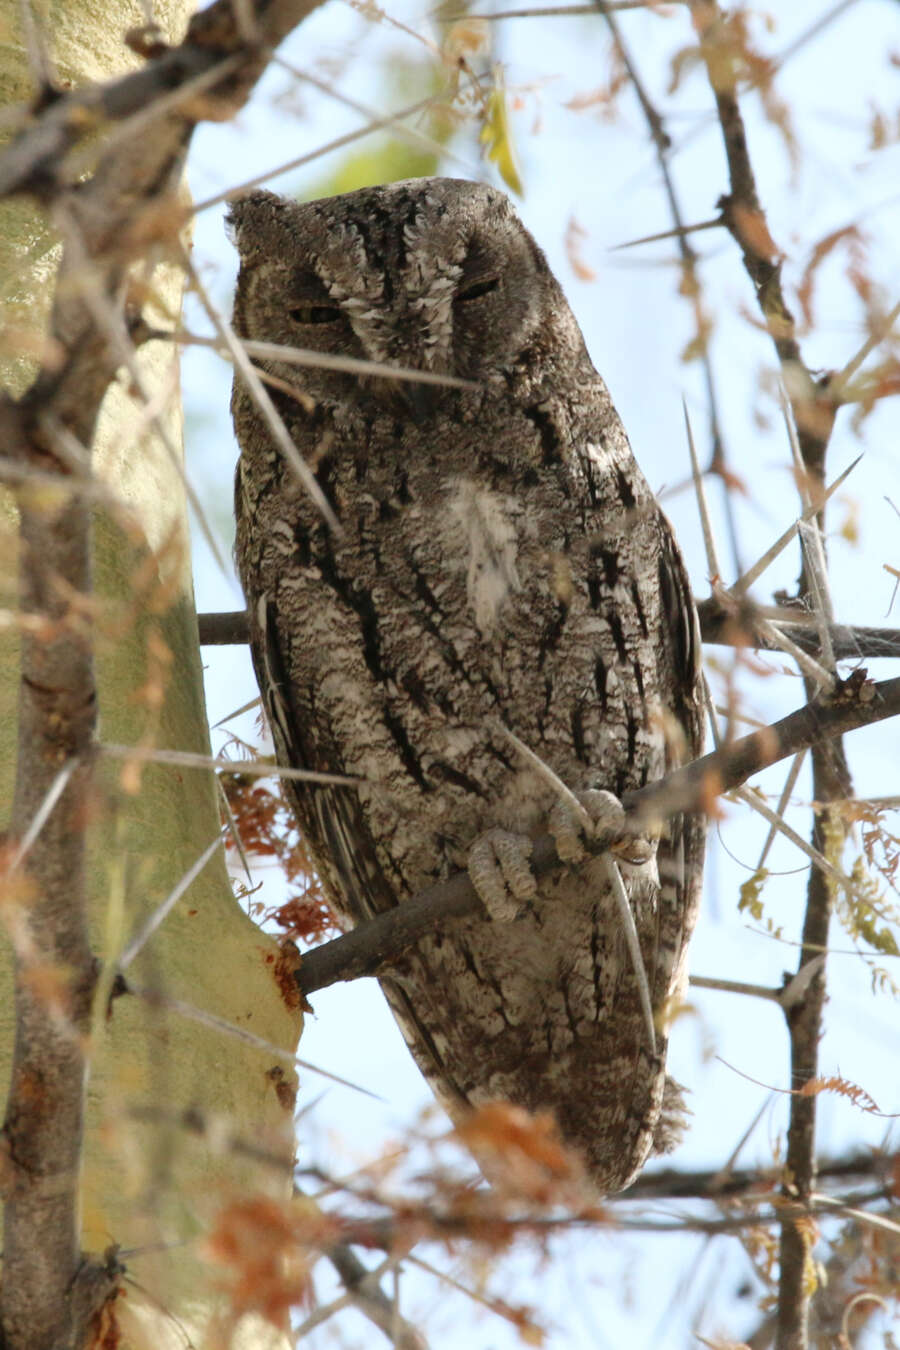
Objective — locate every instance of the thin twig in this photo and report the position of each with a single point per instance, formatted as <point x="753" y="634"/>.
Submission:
<point x="371" y="1300"/>
<point x="205" y="1018"/>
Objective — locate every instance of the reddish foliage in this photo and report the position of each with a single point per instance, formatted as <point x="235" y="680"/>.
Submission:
<point x="849" y="236"/>
<point x="305" y="918"/>
<point x="285" y="971"/>
<point x="268" y="829"/>
<point x="267" y="1250"/>
<point x="522" y="1152"/>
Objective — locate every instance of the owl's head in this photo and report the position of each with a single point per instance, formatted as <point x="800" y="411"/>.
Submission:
<point x="435" y="274"/>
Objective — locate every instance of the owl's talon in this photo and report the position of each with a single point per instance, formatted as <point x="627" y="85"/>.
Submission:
<point x="633" y="849"/>
<point x="607" y="824"/>
<point x="500" y="870"/>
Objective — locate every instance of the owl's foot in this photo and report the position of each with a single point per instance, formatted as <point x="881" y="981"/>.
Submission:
<point x="500" y="870"/>
<point x="606" y="826"/>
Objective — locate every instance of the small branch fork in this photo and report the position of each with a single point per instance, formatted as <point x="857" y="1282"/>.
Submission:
<point x="49" y="1292"/>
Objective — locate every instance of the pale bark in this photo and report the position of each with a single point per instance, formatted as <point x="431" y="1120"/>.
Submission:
<point x="145" y="1185"/>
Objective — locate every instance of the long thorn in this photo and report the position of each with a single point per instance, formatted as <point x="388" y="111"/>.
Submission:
<point x="678" y="233"/>
<point x="42" y="814"/>
<point x="208" y="1019"/>
<point x="257" y="768"/>
<point x="753" y="801"/>
<point x="354" y="365"/>
<point x="789" y="785"/>
<point x="808" y="664"/>
<point x="745" y="581"/>
<point x="838" y="383"/>
<point x="712" y="561"/>
<point x="149" y="927"/>
<point x="811" y="542"/>
<point x="562" y="791"/>
<point x="632" y="942"/>
<point x="263" y="400"/>
<point x="379" y="124"/>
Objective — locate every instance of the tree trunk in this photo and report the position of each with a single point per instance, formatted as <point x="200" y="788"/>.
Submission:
<point x="148" y="1184"/>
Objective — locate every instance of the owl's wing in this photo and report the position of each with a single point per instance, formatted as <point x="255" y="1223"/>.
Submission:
<point x="682" y="846"/>
<point x="330" y="816"/>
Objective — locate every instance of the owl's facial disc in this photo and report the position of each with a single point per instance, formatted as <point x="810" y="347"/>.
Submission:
<point x="447" y="285"/>
<point x="431" y="275"/>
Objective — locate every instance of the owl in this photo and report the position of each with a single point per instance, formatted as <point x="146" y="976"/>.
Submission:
<point x="499" y="566"/>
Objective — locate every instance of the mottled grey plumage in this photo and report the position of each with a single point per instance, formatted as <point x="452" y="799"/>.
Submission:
<point x="502" y="561"/>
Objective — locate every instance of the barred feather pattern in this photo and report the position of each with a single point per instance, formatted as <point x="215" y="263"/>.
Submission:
<point x="501" y="563"/>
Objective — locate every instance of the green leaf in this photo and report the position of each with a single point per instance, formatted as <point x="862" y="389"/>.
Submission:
<point x="750" y="893"/>
<point x="496" y="136"/>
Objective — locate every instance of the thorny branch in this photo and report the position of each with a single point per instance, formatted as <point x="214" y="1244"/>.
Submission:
<point x="49" y="1294"/>
<point x="43" y="1126"/>
<point x="678" y="1184"/>
<point x="813" y="411"/>
<point x="730" y="625"/>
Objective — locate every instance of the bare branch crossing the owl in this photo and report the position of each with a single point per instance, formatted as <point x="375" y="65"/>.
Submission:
<point x="502" y="571"/>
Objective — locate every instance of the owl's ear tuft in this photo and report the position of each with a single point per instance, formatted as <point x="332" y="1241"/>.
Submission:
<point x="250" y="209"/>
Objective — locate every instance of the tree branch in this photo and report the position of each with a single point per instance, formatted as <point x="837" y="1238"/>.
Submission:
<point x="224" y="52"/>
<point x="674" y="1184"/>
<point x="813" y="410"/>
<point x="373" y="945"/>
<point x="54" y="969"/>
<point x="743" y="216"/>
<point x="719" y="624"/>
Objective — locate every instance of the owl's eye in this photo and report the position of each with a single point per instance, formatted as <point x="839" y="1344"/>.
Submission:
<point x="315" y="313"/>
<point x="478" y="288"/>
